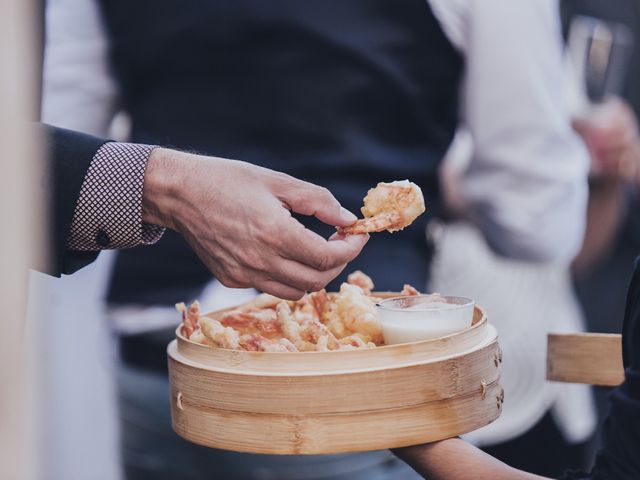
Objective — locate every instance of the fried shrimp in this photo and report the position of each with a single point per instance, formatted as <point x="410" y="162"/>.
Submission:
<point x="354" y="341"/>
<point x="253" y="320"/>
<point x="189" y="317"/>
<point x="362" y="280"/>
<point x="358" y="313"/>
<point x="219" y="335"/>
<point x="303" y="331"/>
<point x="388" y="206"/>
<point x="257" y="343"/>
<point x="264" y="300"/>
<point x="409" y="290"/>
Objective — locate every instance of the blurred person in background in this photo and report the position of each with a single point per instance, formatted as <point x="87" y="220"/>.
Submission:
<point x="528" y="301"/>
<point x="610" y="131"/>
<point x="343" y="94"/>
<point x="541" y="298"/>
<point x="544" y="427"/>
<point x="601" y="271"/>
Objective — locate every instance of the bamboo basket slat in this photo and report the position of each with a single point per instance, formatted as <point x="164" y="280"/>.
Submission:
<point x="592" y="358"/>
<point x="387" y="388"/>
<point x="349" y="432"/>
<point x="332" y="402"/>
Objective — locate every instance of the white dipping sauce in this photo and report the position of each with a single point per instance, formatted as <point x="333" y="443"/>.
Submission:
<point x="423" y="317"/>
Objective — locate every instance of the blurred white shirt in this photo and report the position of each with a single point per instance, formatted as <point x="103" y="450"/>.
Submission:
<point x="526" y="184"/>
<point x="525" y="302"/>
<point x="524" y="179"/>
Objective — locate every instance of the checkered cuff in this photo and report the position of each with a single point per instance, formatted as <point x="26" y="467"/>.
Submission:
<point x="108" y="214"/>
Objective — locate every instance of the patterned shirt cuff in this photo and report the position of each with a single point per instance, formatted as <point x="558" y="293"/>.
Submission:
<point x="108" y="213"/>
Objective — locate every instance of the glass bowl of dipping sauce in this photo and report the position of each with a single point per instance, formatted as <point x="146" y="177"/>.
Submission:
<point x="423" y="317"/>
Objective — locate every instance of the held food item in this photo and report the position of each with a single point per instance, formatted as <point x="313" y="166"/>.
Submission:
<point x="388" y="206"/>
<point x="319" y="321"/>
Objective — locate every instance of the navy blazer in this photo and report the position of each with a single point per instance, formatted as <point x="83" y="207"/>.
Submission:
<point x="69" y="156"/>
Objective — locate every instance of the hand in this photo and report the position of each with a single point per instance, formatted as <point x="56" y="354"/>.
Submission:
<point x="454" y="459"/>
<point x="236" y="217"/>
<point x="610" y="132"/>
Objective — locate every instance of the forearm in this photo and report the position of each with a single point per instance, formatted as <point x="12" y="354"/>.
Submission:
<point x="605" y="213"/>
<point x="455" y="459"/>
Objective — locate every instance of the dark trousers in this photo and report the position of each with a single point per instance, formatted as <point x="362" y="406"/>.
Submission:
<point x="543" y="451"/>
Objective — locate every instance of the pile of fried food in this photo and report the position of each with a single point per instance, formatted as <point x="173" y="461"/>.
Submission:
<point x="319" y="321"/>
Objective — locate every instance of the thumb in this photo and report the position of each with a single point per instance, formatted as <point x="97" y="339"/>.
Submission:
<point x="309" y="199"/>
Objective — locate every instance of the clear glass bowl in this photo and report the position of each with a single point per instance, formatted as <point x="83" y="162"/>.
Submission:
<point x="423" y="317"/>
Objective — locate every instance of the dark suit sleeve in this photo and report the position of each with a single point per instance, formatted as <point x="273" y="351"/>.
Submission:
<point x="619" y="457"/>
<point x="69" y="156"/>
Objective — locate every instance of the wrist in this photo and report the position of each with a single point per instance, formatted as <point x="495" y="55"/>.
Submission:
<point x="162" y="185"/>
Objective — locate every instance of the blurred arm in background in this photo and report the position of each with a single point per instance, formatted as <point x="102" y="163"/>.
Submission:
<point x="526" y="184"/>
<point x="610" y="131"/>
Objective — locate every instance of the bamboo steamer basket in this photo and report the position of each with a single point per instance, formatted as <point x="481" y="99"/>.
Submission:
<point x="336" y="402"/>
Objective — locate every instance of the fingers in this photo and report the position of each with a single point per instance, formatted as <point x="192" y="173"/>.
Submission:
<point x="307" y="262"/>
<point x="302" y="276"/>
<point x="244" y="276"/>
<point x="296" y="277"/>
<point x="275" y="274"/>
<point x="285" y="279"/>
<point x="312" y="200"/>
<point x="306" y="247"/>
<point x="349" y="246"/>
<point x="270" y="268"/>
<point x="280" y="290"/>
<point x="309" y="248"/>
